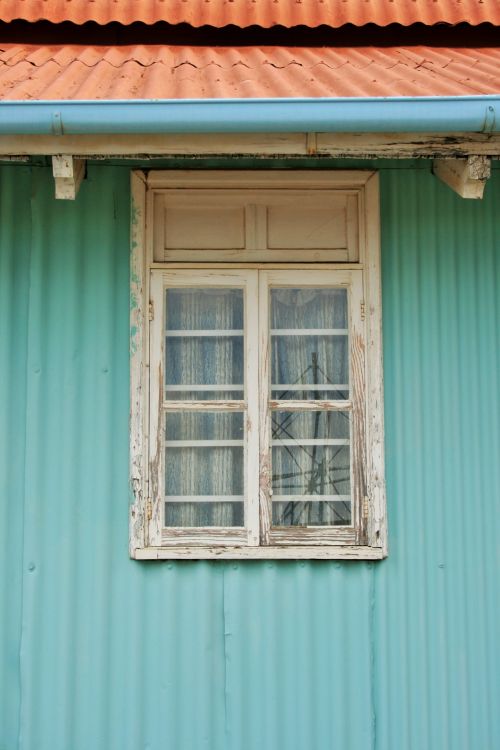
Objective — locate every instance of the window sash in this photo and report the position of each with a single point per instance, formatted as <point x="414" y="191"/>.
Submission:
<point x="160" y="405"/>
<point x="257" y="407"/>
<point x="352" y="280"/>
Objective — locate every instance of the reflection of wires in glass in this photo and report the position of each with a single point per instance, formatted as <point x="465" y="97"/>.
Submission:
<point x="298" y="514"/>
<point x="302" y="379"/>
<point x="321" y="472"/>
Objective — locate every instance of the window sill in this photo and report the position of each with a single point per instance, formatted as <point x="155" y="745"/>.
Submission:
<point x="330" y="552"/>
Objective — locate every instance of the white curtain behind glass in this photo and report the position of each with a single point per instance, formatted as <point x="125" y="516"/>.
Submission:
<point x="204" y="348"/>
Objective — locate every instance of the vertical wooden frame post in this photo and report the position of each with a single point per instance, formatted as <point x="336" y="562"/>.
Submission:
<point x="156" y="420"/>
<point x="265" y="510"/>
<point x="375" y="460"/>
<point x="357" y="385"/>
<point x="252" y="401"/>
<point x="139" y="380"/>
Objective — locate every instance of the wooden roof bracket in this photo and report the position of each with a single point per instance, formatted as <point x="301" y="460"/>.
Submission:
<point x="68" y="174"/>
<point x="466" y="176"/>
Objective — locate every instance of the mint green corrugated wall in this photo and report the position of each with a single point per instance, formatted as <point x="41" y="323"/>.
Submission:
<point x="102" y="653"/>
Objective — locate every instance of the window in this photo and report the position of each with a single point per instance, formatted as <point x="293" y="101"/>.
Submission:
<point x="256" y="377"/>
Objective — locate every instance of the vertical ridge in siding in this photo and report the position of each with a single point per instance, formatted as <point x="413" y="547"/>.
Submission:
<point x="15" y="233"/>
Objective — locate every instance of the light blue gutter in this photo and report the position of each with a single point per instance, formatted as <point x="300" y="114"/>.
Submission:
<point x="475" y="114"/>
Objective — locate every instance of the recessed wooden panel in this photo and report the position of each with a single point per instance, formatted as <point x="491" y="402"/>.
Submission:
<point x="256" y="225"/>
<point x="198" y="227"/>
<point x="306" y="223"/>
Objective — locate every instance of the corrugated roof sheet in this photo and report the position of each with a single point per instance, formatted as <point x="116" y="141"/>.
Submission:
<point x="160" y="72"/>
<point x="264" y="13"/>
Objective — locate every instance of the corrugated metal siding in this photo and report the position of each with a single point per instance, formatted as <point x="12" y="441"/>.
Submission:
<point x="170" y="72"/>
<point x="15" y="236"/>
<point x="106" y="653"/>
<point x="437" y="601"/>
<point x="264" y="13"/>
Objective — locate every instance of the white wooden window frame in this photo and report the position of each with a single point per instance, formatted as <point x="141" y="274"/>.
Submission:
<point x="368" y="539"/>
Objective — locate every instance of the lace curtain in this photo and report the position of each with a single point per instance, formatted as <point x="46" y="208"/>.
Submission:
<point x="204" y="450"/>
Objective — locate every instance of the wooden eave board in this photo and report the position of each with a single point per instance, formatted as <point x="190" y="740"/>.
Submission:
<point x="339" y="145"/>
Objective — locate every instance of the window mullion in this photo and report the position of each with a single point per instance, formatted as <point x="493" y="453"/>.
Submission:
<point x="252" y="398"/>
<point x="264" y="381"/>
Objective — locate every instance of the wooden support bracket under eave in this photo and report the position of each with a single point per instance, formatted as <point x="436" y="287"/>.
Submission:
<point x="467" y="177"/>
<point x="68" y="174"/>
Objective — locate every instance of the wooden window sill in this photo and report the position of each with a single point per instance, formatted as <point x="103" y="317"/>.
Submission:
<point x="319" y="552"/>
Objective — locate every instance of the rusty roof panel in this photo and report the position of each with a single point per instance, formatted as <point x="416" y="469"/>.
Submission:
<point x="264" y="13"/>
<point x="160" y="72"/>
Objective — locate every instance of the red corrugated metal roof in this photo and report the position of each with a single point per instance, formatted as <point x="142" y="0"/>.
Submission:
<point x="156" y="72"/>
<point x="264" y="13"/>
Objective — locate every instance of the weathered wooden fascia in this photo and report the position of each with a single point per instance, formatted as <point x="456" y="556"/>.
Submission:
<point x="350" y="145"/>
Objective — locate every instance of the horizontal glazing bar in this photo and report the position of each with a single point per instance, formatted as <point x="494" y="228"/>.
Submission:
<point x="309" y="387"/>
<point x="309" y="332"/>
<point x="192" y="332"/>
<point x="204" y="405"/>
<point x="310" y="498"/>
<point x="204" y="498"/>
<point x="311" y="441"/>
<point x="202" y="443"/>
<point x="312" y="405"/>
<point x="178" y="388"/>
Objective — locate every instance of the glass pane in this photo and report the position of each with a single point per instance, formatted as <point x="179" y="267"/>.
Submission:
<point x="204" y="344"/>
<point x="204" y="469"/>
<point x="206" y="309"/>
<point x="207" y="425"/>
<point x="332" y="513"/>
<point x="310" y="424"/>
<point x="309" y="344"/>
<point x="311" y="468"/>
<point x="194" y="515"/>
